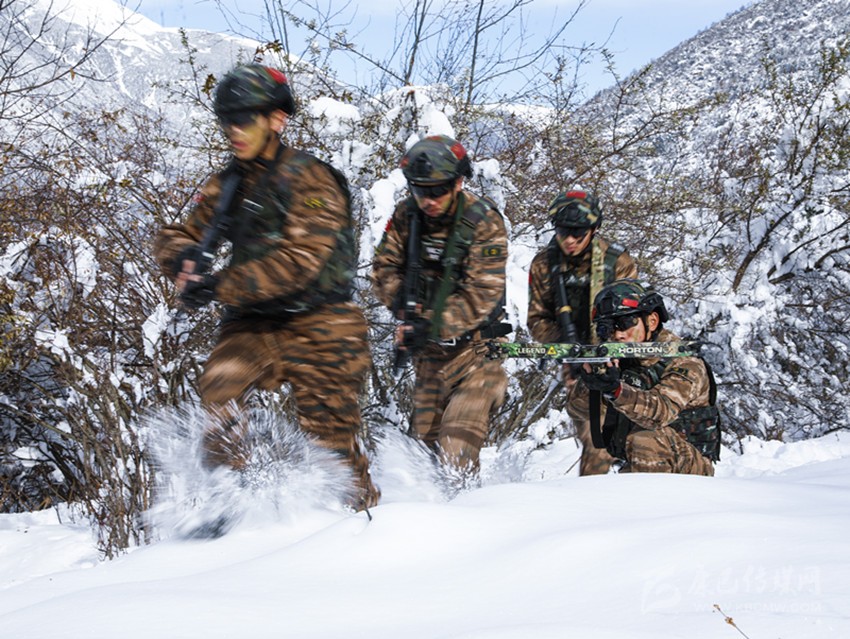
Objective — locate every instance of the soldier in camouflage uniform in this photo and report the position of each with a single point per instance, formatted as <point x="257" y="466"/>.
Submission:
<point x="286" y="291"/>
<point x="459" y="301"/>
<point x="657" y="415"/>
<point x="582" y="261"/>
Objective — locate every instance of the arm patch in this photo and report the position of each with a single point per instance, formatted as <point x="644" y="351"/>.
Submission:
<point x="682" y="372"/>
<point x="491" y="251"/>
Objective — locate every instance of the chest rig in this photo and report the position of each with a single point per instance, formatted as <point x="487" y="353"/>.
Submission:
<point x="443" y="256"/>
<point x="259" y="219"/>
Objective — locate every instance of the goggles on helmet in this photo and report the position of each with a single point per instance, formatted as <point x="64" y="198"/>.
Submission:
<point x="238" y="118"/>
<point x="609" y="325"/>
<point x="432" y="191"/>
<point x="577" y="232"/>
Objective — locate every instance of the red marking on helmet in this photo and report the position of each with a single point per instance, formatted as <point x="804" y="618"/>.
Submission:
<point x="458" y="150"/>
<point x="404" y="161"/>
<point x="579" y="194"/>
<point x="630" y="303"/>
<point x="277" y="76"/>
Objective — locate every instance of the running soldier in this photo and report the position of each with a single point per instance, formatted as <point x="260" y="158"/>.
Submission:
<point x="456" y="300"/>
<point x="286" y="291"/>
<point x="564" y="278"/>
<point x="658" y="415"/>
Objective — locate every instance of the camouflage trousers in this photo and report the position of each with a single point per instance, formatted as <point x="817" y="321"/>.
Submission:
<point x="323" y="355"/>
<point x="456" y="392"/>
<point x="594" y="461"/>
<point x="664" y="450"/>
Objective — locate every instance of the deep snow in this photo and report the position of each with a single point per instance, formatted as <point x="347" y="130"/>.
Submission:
<point x="546" y="555"/>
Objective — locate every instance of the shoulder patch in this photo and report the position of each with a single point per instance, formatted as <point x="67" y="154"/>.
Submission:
<point x="314" y="203"/>
<point x="678" y="370"/>
<point x="491" y="251"/>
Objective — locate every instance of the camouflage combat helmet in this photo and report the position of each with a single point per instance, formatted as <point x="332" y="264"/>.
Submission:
<point x="435" y="160"/>
<point x="253" y="87"/>
<point x="575" y="209"/>
<point x="628" y="297"/>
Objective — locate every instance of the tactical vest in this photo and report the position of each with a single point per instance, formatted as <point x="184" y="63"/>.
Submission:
<point x="262" y="215"/>
<point x="578" y="286"/>
<point x="441" y="256"/>
<point x="700" y="425"/>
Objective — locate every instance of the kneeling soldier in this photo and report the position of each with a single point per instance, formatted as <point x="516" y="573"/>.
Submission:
<point x="658" y="415"/>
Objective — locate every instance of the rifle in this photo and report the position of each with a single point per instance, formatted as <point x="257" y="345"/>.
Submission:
<point x="570" y="353"/>
<point x="219" y="225"/>
<point x="564" y="311"/>
<point x="410" y="286"/>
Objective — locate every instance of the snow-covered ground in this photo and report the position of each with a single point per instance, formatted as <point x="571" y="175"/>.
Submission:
<point x="544" y="555"/>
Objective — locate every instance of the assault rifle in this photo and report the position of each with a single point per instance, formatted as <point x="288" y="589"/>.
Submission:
<point x="593" y="353"/>
<point x="410" y="286"/>
<point x="569" y="334"/>
<point x="205" y="252"/>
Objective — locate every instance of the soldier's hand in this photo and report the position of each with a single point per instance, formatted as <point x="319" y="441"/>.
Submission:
<point x="199" y="291"/>
<point x="413" y="335"/>
<point x="606" y="381"/>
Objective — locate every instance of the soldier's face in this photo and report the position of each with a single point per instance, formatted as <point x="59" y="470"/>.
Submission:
<point x="571" y="243"/>
<point x="252" y="134"/>
<point x="434" y="204"/>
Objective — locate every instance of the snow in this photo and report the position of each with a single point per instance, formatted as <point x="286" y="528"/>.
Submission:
<point x="547" y="555"/>
<point x="104" y="17"/>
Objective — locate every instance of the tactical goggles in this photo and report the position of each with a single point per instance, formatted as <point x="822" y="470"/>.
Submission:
<point x="431" y="191"/>
<point x="238" y="118"/>
<point x="609" y="325"/>
<point x="572" y="231"/>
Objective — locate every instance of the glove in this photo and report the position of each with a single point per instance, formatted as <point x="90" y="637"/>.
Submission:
<point x="606" y="382"/>
<point x="198" y="294"/>
<point x="416" y="334"/>
<point x="571" y="371"/>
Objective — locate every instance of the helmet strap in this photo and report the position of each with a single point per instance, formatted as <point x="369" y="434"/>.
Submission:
<point x="650" y="335"/>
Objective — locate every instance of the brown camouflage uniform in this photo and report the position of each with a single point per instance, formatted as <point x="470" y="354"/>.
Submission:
<point x="544" y="327"/>
<point x="288" y="310"/>
<point x="653" y="446"/>
<point x="457" y="386"/>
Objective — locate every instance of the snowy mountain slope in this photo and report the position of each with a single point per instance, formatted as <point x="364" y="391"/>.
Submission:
<point x="132" y="68"/>
<point x="727" y="56"/>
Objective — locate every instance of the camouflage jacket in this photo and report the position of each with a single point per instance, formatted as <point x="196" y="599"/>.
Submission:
<point x="476" y="294"/>
<point x="541" y="318"/>
<point x="290" y="232"/>
<point x="683" y="384"/>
